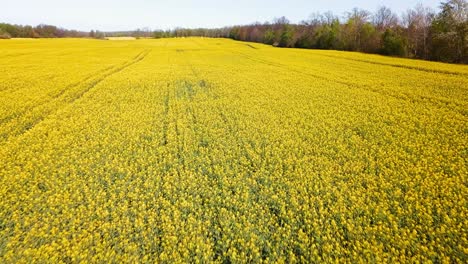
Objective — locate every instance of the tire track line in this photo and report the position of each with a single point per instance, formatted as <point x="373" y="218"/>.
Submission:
<point x="64" y="99"/>
<point x="406" y="97"/>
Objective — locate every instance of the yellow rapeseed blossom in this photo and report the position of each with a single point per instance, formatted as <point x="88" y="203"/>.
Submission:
<point x="200" y="150"/>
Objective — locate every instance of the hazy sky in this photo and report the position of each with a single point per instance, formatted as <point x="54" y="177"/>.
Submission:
<point x="111" y="15"/>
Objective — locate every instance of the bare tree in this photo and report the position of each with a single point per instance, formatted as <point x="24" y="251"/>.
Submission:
<point x="418" y="22"/>
<point x="356" y="20"/>
<point x="384" y="18"/>
<point x="281" y="21"/>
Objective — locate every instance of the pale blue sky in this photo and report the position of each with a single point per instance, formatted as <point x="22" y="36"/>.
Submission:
<point x="111" y="15"/>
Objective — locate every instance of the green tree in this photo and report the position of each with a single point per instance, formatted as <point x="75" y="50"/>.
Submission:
<point x="327" y="35"/>
<point x="234" y="33"/>
<point x="286" y="36"/>
<point x="356" y="29"/>
<point x="269" y="37"/>
<point x="4" y="34"/>
<point x="449" y="32"/>
<point x="393" y="43"/>
<point x="9" y="30"/>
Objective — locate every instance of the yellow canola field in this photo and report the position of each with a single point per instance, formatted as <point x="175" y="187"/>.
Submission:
<point x="211" y="150"/>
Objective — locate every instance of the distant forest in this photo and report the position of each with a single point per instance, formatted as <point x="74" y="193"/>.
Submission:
<point x="420" y="32"/>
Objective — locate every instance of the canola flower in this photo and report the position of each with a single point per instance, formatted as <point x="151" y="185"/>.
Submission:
<point x="210" y="150"/>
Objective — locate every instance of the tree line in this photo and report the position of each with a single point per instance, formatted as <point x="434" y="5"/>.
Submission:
<point x="420" y="32"/>
<point x="40" y="31"/>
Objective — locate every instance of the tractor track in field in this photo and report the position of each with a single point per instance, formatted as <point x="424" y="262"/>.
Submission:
<point x="420" y="98"/>
<point x="64" y="98"/>
<point x="54" y="95"/>
<point x="415" y="68"/>
<point x="113" y="71"/>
